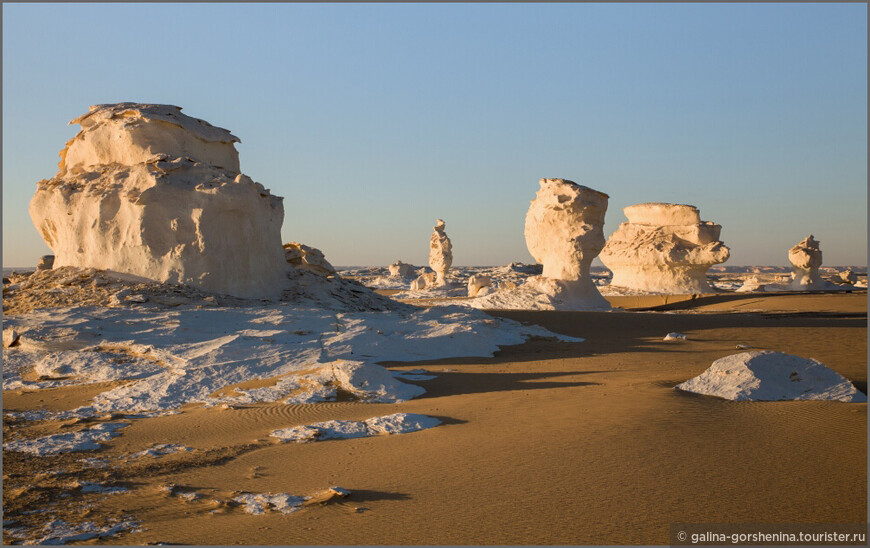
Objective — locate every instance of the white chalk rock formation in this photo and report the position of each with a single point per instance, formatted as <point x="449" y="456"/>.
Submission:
<point x="146" y="190"/>
<point x="10" y="337"/>
<point x="424" y="280"/>
<point x="806" y="258"/>
<point x="849" y="277"/>
<point x="664" y="248"/>
<point x="46" y="262"/>
<point x="751" y="285"/>
<point x="565" y="228"/>
<point x="564" y="232"/>
<point x="440" y="254"/>
<point x="772" y="376"/>
<point x="478" y="282"/>
<point x="401" y="270"/>
<point x="309" y="258"/>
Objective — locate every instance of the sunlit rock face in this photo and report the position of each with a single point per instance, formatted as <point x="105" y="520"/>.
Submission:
<point x="440" y="253"/>
<point x="806" y="258"/>
<point x="308" y="258"/>
<point x="664" y="248"/>
<point x="146" y="190"/>
<point x="564" y="231"/>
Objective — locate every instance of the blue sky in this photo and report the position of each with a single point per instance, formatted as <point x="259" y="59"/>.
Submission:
<point x="373" y="120"/>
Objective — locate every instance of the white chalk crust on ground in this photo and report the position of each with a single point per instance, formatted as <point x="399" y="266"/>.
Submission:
<point x="185" y="354"/>
<point x="397" y="423"/>
<point x="84" y="440"/>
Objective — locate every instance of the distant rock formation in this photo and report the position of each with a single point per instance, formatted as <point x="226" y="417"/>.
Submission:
<point x="146" y="190"/>
<point x="806" y="258"/>
<point x="46" y="262"/>
<point x="440" y="254"/>
<point x="401" y="270"/>
<point x="849" y="277"/>
<point x="564" y="232"/>
<point x="308" y="258"/>
<point x="664" y="248"/>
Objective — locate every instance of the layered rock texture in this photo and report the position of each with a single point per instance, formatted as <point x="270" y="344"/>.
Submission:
<point x="664" y="248"/>
<point x="146" y="190"/>
<point x="440" y="253"/>
<point x="309" y="258"/>
<point x="806" y="258"/>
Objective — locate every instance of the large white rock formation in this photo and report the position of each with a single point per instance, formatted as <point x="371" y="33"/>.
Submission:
<point x="440" y="253"/>
<point x="767" y="375"/>
<point x="564" y="232"/>
<point x="806" y="258"/>
<point x="146" y="190"/>
<point x="664" y="248"/>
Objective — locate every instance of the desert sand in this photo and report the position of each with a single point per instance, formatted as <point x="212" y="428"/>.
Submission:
<point x="547" y="442"/>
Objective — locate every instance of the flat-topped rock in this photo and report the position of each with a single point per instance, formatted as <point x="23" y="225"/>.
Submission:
<point x="662" y="214"/>
<point x="664" y="248"/>
<point x="132" y="133"/>
<point x="148" y="191"/>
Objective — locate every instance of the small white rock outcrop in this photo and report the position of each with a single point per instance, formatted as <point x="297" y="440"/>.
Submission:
<point x="309" y="258"/>
<point x="806" y="258"/>
<point x="440" y="253"/>
<point x="478" y="282"/>
<point x="423" y="281"/>
<point x="849" y="277"/>
<point x="765" y="375"/>
<point x="401" y="270"/>
<point x="751" y="285"/>
<point x="664" y="248"/>
<point x="564" y="231"/>
<point x="143" y="189"/>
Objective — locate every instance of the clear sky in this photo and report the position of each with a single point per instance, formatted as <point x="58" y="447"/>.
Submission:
<point x="373" y="120"/>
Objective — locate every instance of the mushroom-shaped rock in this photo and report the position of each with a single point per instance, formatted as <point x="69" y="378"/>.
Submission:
<point x="307" y="257"/>
<point x="401" y="270"/>
<point x="478" y="282"/>
<point x="146" y="190"/>
<point x="806" y="258"/>
<point x="564" y="231"/>
<point x="664" y="248"/>
<point x="440" y="253"/>
<point x="565" y="228"/>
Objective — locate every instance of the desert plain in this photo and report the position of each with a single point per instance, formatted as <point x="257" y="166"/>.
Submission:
<point x="546" y="442"/>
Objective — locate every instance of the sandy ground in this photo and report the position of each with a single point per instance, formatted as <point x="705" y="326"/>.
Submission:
<point x="546" y="443"/>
